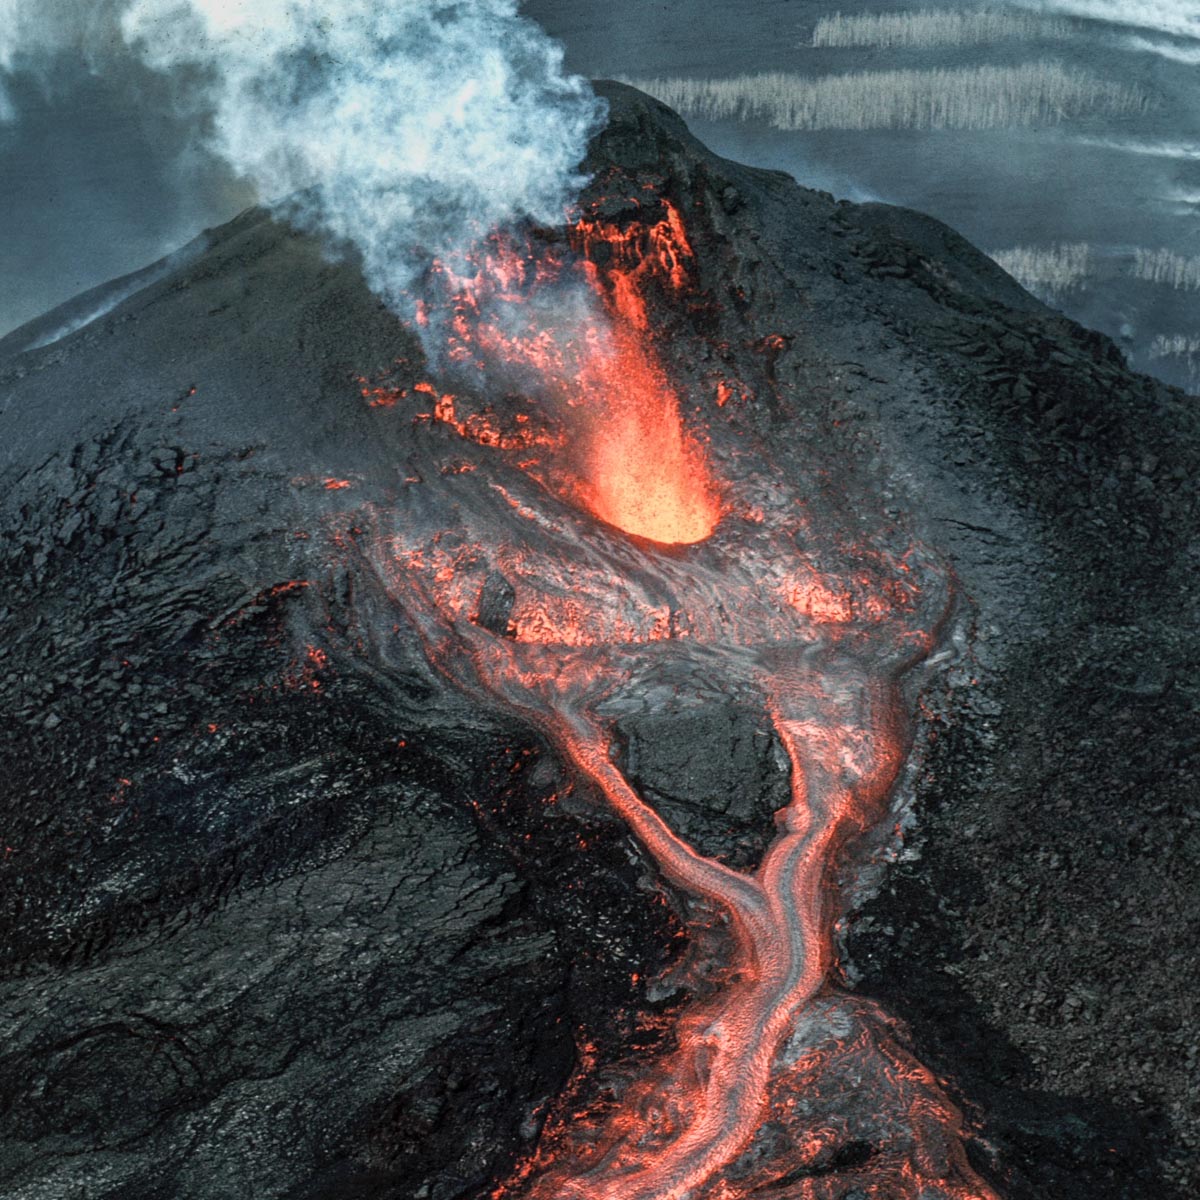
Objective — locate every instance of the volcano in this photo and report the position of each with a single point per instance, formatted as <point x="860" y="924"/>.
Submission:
<point x="730" y="739"/>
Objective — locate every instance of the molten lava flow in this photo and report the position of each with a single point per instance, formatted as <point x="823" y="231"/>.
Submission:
<point x="776" y="1084"/>
<point x="642" y="473"/>
<point x="625" y="455"/>
<point x="695" y="1125"/>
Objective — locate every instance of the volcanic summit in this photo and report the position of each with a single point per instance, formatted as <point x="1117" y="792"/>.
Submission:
<point x="726" y="736"/>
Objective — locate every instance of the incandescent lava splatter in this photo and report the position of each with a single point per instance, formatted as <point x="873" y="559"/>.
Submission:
<point x="704" y="576"/>
<point x="532" y="319"/>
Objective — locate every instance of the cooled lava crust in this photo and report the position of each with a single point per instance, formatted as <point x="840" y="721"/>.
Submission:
<point x="286" y="915"/>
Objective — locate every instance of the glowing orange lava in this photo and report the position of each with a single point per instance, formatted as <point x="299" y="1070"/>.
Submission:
<point x="643" y="473"/>
<point x="626" y="455"/>
<point x="562" y="621"/>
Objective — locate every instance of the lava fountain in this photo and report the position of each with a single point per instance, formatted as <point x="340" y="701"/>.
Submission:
<point x="572" y="545"/>
<point x="530" y="318"/>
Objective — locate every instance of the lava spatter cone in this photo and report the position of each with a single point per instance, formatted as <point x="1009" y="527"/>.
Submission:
<point x="626" y="542"/>
<point x="310" y="828"/>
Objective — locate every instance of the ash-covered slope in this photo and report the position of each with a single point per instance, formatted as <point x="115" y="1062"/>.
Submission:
<point x="278" y="921"/>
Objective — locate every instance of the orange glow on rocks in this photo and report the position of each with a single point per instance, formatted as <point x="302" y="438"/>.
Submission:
<point x="624" y="453"/>
<point x="772" y="1080"/>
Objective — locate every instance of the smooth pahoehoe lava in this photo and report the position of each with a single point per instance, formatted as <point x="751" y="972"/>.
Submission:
<point x="574" y="541"/>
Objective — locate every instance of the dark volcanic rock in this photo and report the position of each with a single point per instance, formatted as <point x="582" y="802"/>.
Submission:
<point x="717" y="776"/>
<point x="276" y="921"/>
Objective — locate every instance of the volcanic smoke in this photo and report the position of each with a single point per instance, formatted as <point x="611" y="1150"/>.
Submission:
<point x="578" y="539"/>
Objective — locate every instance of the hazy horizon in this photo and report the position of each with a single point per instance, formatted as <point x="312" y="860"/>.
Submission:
<point x="1054" y="135"/>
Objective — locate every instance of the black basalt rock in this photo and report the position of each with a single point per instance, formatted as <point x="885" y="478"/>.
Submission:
<point x="717" y="775"/>
<point x="282" y="916"/>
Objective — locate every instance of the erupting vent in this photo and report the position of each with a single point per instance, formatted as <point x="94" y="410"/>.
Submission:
<point x="578" y="338"/>
<point x="774" y="1084"/>
<point x="644" y="474"/>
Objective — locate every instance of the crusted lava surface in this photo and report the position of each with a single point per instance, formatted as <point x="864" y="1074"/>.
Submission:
<point x="283" y="913"/>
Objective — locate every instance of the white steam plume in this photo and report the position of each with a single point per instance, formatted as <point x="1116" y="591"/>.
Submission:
<point x="32" y="30"/>
<point x="404" y="128"/>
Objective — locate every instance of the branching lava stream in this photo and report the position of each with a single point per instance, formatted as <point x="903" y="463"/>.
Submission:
<point x="704" y="576"/>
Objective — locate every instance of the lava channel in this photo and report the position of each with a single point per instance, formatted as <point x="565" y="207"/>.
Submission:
<point x="571" y="546"/>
